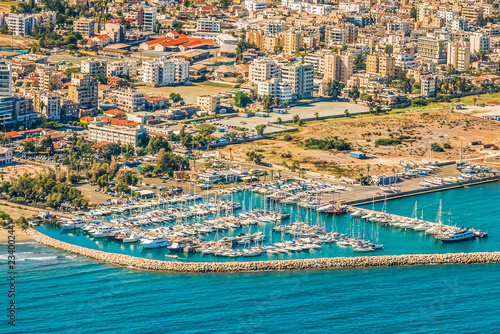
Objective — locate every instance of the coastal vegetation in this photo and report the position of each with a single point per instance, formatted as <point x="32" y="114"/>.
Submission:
<point x="325" y="144"/>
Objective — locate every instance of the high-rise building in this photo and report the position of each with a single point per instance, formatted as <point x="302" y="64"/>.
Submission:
<point x="459" y="55"/>
<point x="263" y="69"/>
<point x="336" y="36"/>
<point x="83" y="90"/>
<point x="428" y="86"/>
<point x="50" y="80"/>
<point x="5" y="78"/>
<point x="300" y="77"/>
<point x="164" y="71"/>
<point x="338" y="67"/>
<point x="84" y="26"/>
<point x="386" y="66"/>
<point x="472" y="13"/>
<point x="432" y="49"/>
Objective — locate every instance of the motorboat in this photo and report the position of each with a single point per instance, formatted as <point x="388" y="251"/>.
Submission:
<point x="73" y="224"/>
<point x="155" y="242"/>
<point x="461" y="235"/>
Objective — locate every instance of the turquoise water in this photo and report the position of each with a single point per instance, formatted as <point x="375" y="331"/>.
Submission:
<point x="63" y="293"/>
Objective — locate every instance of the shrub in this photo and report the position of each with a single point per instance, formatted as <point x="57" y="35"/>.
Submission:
<point x="387" y="142"/>
<point x="436" y="148"/>
<point x="446" y="146"/>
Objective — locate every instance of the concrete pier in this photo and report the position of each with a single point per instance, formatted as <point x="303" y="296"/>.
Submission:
<point x="271" y="265"/>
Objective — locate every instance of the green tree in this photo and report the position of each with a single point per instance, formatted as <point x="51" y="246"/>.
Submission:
<point x="316" y="115"/>
<point x="296" y="119"/>
<point x="241" y="100"/>
<point x="175" y="98"/>
<point x="102" y="181"/>
<point x="334" y="89"/>
<point x="260" y="129"/>
<point x="266" y="100"/>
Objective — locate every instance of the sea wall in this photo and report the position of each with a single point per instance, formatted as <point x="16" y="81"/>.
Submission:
<point x="276" y="265"/>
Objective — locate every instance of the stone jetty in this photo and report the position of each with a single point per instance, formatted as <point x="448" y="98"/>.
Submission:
<point x="271" y="265"/>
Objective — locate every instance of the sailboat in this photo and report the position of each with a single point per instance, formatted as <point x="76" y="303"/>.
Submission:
<point x="439" y="223"/>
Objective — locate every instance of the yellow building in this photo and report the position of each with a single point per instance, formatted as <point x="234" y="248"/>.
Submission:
<point x="292" y="42"/>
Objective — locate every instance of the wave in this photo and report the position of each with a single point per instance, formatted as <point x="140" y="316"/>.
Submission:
<point x="20" y="254"/>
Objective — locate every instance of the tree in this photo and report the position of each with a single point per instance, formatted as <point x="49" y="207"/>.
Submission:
<point x="413" y="13"/>
<point x="389" y="49"/>
<point x="353" y="93"/>
<point x="175" y="98"/>
<point x="230" y="153"/>
<point x="206" y="130"/>
<point x="146" y="169"/>
<point x="346" y="113"/>
<point x="279" y="120"/>
<point x="278" y="49"/>
<point x="435" y="147"/>
<point x="316" y="115"/>
<point x="241" y="100"/>
<point x="157" y="143"/>
<point x="296" y="119"/>
<point x="276" y="101"/>
<point x="122" y="188"/>
<point x="266" y="100"/>
<point x="101" y="78"/>
<point x="334" y="88"/>
<point x="102" y="181"/>
<point x="4" y="29"/>
<point x="359" y="62"/>
<point x="260" y="129"/>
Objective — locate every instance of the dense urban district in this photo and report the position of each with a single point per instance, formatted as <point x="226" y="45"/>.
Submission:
<point x="104" y="101"/>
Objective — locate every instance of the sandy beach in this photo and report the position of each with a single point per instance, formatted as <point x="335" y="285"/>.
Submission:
<point x="4" y="235"/>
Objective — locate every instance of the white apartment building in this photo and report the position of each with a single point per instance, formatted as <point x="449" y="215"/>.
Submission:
<point x="273" y="27"/>
<point x="208" y="24"/>
<point x="447" y="14"/>
<point x="428" y="86"/>
<point x="45" y="103"/>
<point x="287" y="3"/>
<point x="317" y="59"/>
<point x="93" y="67"/>
<point x="276" y="88"/>
<point x="300" y="77"/>
<point x="20" y="24"/>
<point x="459" y="55"/>
<point x="164" y="71"/>
<point x="208" y="103"/>
<point x="459" y="24"/>
<point x="147" y="18"/>
<point x="5" y="78"/>
<point x="479" y="41"/>
<point x="128" y="100"/>
<point x="255" y="6"/>
<point x="351" y="7"/>
<point x="336" y="36"/>
<point x="263" y="69"/>
<point x="102" y="131"/>
<point x="122" y="68"/>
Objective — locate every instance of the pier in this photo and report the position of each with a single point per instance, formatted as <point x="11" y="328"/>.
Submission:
<point x="273" y="265"/>
<point x="456" y="185"/>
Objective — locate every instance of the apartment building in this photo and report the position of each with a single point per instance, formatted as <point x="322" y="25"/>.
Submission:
<point x="45" y="103"/>
<point x="127" y="134"/>
<point x="128" y="99"/>
<point x="121" y="68"/>
<point x="85" y="26"/>
<point x="6" y="100"/>
<point x="292" y="42"/>
<point x="50" y="80"/>
<point x="428" y="86"/>
<point x="164" y="71"/>
<point x="147" y="18"/>
<point x="20" y="24"/>
<point x="336" y="36"/>
<point x="300" y="77"/>
<point x="263" y="69"/>
<point x="472" y="13"/>
<point x="276" y="88"/>
<point x="459" y="55"/>
<point x="83" y="90"/>
<point x="432" y="49"/>
<point x="208" y="24"/>
<point x="272" y="27"/>
<point x="208" y="103"/>
<point x="93" y="67"/>
<point x="479" y="41"/>
<point x="255" y="6"/>
<point x="338" y="67"/>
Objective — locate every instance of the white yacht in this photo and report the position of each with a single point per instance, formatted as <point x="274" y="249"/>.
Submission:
<point x="73" y="224"/>
<point x="155" y="242"/>
<point x="102" y="231"/>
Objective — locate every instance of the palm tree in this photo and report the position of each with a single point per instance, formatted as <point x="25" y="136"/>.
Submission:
<point x="230" y="154"/>
<point x="277" y="101"/>
<point x="475" y="100"/>
<point x="371" y="110"/>
<point x="316" y="115"/>
<point x="295" y="119"/>
<point x="279" y="120"/>
<point x="346" y="113"/>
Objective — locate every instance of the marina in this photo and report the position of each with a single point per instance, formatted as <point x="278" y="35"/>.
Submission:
<point x="221" y="228"/>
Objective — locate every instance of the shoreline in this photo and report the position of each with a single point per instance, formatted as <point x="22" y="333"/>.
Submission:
<point x="20" y="236"/>
<point x="271" y="265"/>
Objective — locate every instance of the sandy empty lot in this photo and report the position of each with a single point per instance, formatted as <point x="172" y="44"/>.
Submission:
<point x="10" y="41"/>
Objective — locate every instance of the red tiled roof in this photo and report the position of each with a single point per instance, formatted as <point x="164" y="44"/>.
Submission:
<point x="155" y="98"/>
<point x="114" y="112"/>
<point x="101" y="144"/>
<point x="118" y="122"/>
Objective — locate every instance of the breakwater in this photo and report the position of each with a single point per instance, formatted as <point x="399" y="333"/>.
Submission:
<point x="272" y="265"/>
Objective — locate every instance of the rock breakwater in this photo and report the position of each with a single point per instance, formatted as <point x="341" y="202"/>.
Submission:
<point x="271" y="265"/>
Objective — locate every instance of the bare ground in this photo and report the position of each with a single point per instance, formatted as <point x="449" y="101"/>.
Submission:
<point x="416" y="130"/>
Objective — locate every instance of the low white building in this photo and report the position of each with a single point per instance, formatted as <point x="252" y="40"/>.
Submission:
<point x="276" y="88"/>
<point x="255" y="6"/>
<point x="102" y="131"/>
<point x="164" y="71"/>
<point x="5" y="156"/>
<point x="208" y="24"/>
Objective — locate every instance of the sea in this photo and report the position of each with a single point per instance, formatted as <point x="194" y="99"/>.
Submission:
<point x="58" y="292"/>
